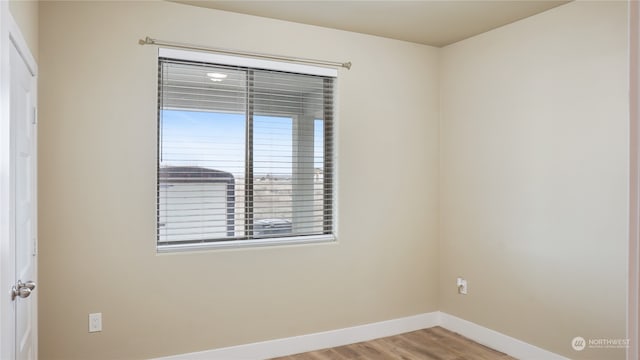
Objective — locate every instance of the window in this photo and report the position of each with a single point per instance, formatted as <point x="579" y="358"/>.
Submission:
<point x="245" y="151"/>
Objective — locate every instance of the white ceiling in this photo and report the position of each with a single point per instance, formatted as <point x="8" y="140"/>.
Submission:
<point x="430" y="22"/>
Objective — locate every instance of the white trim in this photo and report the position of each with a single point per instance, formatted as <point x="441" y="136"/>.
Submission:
<point x="311" y="342"/>
<point x="495" y="340"/>
<point x="22" y="47"/>
<point x="252" y="243"/>
<point x="351" y="335"/>
<point x="7" y="343"/>
<point x="246" y="62"/>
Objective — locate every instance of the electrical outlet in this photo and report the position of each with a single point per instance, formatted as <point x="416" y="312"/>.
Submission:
<point x="95" y="322"/>
<point x="462" y="286"/>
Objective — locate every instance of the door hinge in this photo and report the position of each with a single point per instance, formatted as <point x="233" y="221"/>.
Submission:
<point x="34" y="120"/>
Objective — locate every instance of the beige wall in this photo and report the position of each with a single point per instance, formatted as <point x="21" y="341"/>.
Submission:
<point x="97" y="196"/>
<point x="532" y="147"/>
<point x="25" y="13"/>
<point x="534" y="174"/>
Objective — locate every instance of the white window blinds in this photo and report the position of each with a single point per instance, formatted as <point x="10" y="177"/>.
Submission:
<point x="243" y="154"/>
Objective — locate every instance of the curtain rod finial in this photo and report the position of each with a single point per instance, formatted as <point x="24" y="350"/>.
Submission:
<point x="347" y="65"/>
<point x="147" y="41"/>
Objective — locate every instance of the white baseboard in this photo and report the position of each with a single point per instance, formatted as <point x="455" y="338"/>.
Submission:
<point x="350" y="335"/>
<point x="495" y="340"/>
<point x="316" y="341"/>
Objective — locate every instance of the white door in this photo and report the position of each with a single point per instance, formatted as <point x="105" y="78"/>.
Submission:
<point x="23" y="134"/>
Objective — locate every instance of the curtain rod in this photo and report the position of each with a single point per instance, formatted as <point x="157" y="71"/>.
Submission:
<point x="150" y="41"/>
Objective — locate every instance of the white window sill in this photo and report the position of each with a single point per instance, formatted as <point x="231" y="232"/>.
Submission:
<point x="238" y="244"/>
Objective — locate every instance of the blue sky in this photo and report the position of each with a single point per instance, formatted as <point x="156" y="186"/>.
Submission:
<point x="216" y="140"/>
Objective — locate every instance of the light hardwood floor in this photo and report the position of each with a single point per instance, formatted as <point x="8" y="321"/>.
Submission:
<point x="429" y="344"/>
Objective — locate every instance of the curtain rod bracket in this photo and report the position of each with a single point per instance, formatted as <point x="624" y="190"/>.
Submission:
<point x="150" y="41"/>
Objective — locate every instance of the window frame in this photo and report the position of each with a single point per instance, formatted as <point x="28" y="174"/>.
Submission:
<point x="228" y="60"/>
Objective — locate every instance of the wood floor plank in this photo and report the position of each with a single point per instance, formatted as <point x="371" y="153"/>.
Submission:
<point x="425" y="343"/>
<point x="326" y="354"/>
<point x="406" y="351"/>
<point x="462" y="345"/>
<point x="391" y="352"/>
<point x="347" y="352"/>
<point x="369" y="351"/>
<point x="434" y="343"/>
